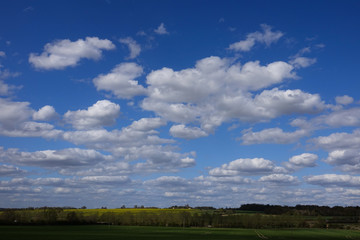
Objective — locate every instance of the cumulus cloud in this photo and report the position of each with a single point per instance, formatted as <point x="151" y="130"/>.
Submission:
<point x="267" y="37"/>
<point x="45" y="113"/>
<point x="181" y="96"/>
<point x="32" y="129"/>
<point x="133" y="46"/>
<point x="246" y="166"/>
<point x="102" y="113"/>
<point x="138" y="141"/>
<point x="13" y="113"/>
<point x="120" y="81"/>
<point x="345" y="117"/>
<point x="301" y="161"/>
<point x="272" y="135"/>
<point x="343" y="150"/>
<point x="181" y="131"/>
<point x="2" y="54"/>
<point x="341" y="140"/>
<point x="64" y="53"/>
<point x="161" y="30"/>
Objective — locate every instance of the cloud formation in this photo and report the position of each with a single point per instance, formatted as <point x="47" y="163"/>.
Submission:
<point x="64" y="53"/>
<point x="133" y="46"/>
<point x="246" y="166"/>
<point x="102" y="113"/>
<point x="266" y="37"/>
<point x="120" y="81"/>
<point x="181" y="96"/>
<point x="161" y="30"/>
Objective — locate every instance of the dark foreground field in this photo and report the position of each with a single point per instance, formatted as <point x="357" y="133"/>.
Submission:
<point x="138" y="233"/>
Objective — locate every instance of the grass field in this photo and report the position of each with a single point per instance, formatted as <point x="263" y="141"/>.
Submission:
<point x="146" y="233"/>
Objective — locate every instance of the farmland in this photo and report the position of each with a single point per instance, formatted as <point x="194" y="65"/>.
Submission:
<point x="143" y="233"/>
<point x="215" y="218"/>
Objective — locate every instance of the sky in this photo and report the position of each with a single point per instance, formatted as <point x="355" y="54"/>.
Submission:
<point x="162" y="103"/>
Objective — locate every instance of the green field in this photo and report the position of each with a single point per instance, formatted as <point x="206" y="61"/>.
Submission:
<point x="128" y="233"/>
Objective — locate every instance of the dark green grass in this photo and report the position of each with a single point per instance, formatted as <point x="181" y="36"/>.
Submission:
<point x="145" y="233"/>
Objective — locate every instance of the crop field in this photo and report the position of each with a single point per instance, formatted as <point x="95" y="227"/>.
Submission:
<point x="91" y="232"/>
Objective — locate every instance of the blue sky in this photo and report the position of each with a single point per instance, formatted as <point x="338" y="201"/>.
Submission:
<point x="160" y="103"/>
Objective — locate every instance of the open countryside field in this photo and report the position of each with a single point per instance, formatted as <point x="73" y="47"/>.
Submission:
<point x="124" y="232"/>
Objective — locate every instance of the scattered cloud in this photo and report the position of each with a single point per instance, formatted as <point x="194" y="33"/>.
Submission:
<point x="266" y="37"/>
<point x="45" y="113"/>
<point x="246" y="166"/>
<point x="120" y="81"/>
<point x="28" y="9"/>
<point x="181" y="131"/>
<point x="302" y="62"/>
<point x="64" y="53"/>
<point x="11" y="171"/>
<point x="2" y="54"/>
<point x="161" y="30"/>
<point x="133" y="46"/>
<point x="65" y="158"/>
<point x="301" y="161"/>
<point x="279" y="179"/>
<point x="272" y="135"/>
<point x="344" y="100"/>
<point x="180" y="96"/>
<point x="334" y="180"/>
<point x="102" y="113"/>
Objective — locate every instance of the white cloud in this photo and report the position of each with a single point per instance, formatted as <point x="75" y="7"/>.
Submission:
<point x="343" y="150"/>
<point x="120" y="81"/>
<point x="344" y="100"/>
<point x="112" y="180"/>
<point x="304" y="160"/>
<point x="346" y="117"/>
<point x="133" y="46"/>
<point x="161" y="30"/>
<point x="2" y="54"/>
<point x="45" y="113"/>
<point x="13" y="113"/>
<point x="266" y="36"/>
<point x="64" y="53"/>
<point x="6" y="89"/>
<point x="212" y="92"/>
<point x="338" y="141"/>
<point x="344" y="156"/>
<point x="299" y="61"/>
<point x="102" y="113"/>
<point x="334" y="180"/>
<point x="279" y="179"/>
<point x="302" y="62"/>
<point x="32" y="129"/>
<point x="272" y="135"/>
<point x="70" y="157"/>
<point x="137" y="142"/>
<point x="246" y="166"/>
<point x="181" y="131"/>
<point x="147" y="124"/>
<point x="9" y="170"/>
<point x="301" y="161"/>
